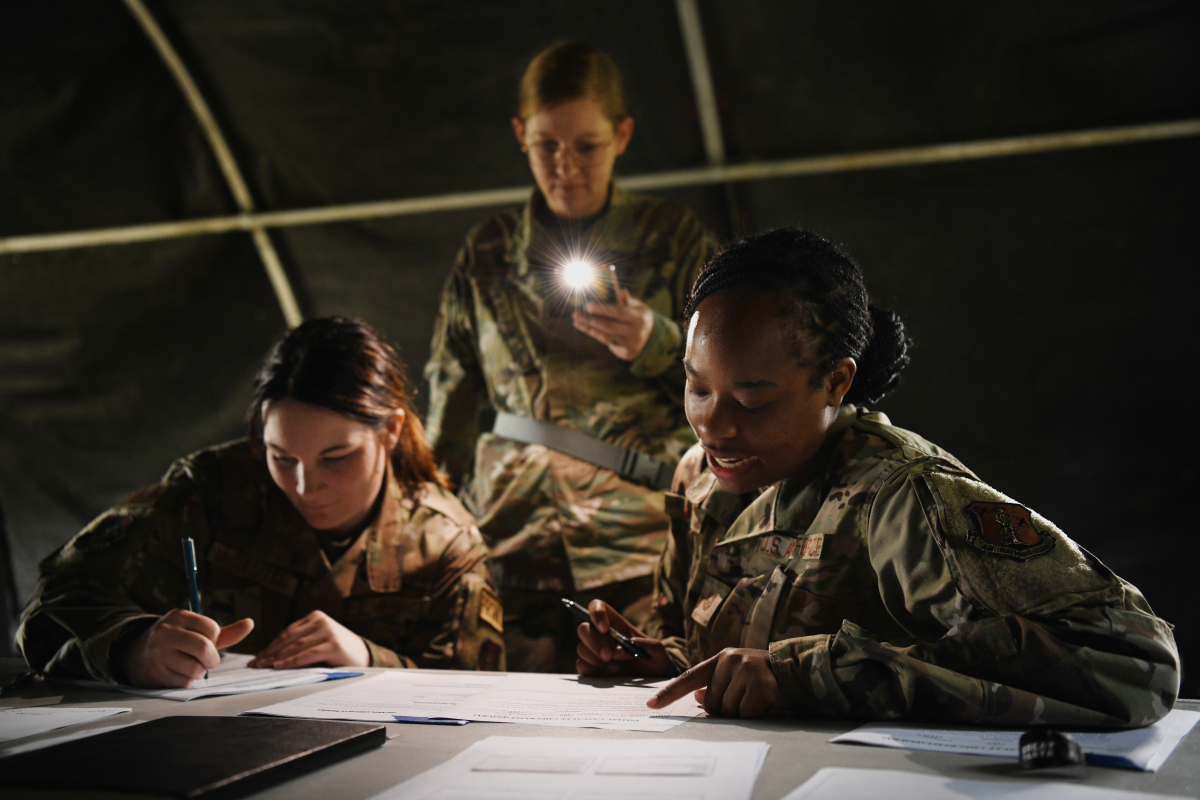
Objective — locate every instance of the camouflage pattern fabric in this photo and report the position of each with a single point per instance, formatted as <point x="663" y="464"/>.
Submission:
<point x="889" y="581"/>
<point x="415" y="584"/>
<point x="504" y="341"/>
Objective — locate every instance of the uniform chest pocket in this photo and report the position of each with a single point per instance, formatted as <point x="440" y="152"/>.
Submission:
<point x="741" y="615"/>
<point x="388" y="607"/>
<point x="756" y="592"/>
<point x="232" y="569"/>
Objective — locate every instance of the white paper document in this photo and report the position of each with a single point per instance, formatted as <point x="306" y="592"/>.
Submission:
<point x="837" y="783"/>
<point x="232" y="676"/>
<point x="543" y="768"/>
<point x="413" y="694"/>
<point x="574" y="702"/>
<point x="1141" y="748"/>
<point x="528" y="698"/>
<point x="17" y="723"/>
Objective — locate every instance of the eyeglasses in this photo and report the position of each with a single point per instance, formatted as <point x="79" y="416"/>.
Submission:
<point x="583" y="154"/>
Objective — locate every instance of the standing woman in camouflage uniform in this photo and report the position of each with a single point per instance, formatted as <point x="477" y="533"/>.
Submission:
<point x="826" y="562"/>
<point x="327" y="537"/>
<point x="563" y="423"/>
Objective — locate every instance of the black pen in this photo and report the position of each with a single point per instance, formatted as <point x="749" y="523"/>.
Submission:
<point x="189" y="572"/>
<point x="637" y="651"/>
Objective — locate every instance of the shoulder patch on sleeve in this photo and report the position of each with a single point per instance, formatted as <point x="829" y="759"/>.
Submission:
<point x="490" y="610"/>
<point x="1009" y="559"/>
<point x="1006" y="529"/>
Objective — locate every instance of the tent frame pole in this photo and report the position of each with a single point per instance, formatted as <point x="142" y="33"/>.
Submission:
<point x="229" y="168"/>
<point x="753" y="171"/>
<point x="702" y="82"/>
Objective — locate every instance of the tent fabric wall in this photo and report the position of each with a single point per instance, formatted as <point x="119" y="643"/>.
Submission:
<point x="1049" y="295"/>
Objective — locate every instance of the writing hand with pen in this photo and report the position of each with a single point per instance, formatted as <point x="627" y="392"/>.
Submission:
<point x="182" y="645"/>
<point x="737" y="682"/>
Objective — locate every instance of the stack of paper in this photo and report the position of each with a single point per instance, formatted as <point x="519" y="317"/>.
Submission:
<point x="1141" y="748"/>
<point x="836" y="783"/>
<point x="17" y="723"/>
<point x="540" y="768"/>
<point x="399" y="695"/>
<point x="232" y="676"/>
<point x="529" y="698"/>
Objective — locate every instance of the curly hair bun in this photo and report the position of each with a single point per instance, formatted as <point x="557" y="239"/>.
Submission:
<point x="884" y="358"/>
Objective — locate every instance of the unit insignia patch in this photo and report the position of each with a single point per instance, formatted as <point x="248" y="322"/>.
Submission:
<point x="1006" y="529"/>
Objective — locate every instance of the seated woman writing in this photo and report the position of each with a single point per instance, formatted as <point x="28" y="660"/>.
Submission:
<point x="827" y="563"/>
<point x="327" y="537"/>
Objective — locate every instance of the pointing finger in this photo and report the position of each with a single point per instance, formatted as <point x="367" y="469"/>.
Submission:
<point x="695" y="678"/>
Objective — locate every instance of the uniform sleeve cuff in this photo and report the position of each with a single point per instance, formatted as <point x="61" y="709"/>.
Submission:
<point x="805" y="674"/>
<point x="677" y="654"/>
<point x="383" y="657"/>
<point x="661" y="350"/>
<point x="98" y="649"/>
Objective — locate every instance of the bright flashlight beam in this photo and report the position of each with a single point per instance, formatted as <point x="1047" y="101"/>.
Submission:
<point x="578" y="274"/>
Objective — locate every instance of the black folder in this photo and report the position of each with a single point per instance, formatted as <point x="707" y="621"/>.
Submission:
<point x="214" y="758"/>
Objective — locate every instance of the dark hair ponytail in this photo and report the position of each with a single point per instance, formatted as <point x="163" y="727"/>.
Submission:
<point x="824" y="303"/>
<point x="883" y="359"/>
<point x="344" y="365"/>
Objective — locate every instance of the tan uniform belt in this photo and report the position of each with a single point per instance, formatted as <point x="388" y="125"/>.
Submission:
<point x="629" y="464"/>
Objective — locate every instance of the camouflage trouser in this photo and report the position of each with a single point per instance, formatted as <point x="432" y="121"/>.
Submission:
<point x="539" y="634"/>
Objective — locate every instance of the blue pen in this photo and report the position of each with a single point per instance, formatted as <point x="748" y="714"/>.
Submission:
<point x="189" y="572"/>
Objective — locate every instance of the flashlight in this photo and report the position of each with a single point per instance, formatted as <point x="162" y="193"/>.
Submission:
<point x="578" y="274"/>
<point x="586" y="280"/>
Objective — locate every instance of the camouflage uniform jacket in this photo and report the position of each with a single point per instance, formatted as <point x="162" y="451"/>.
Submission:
<point x="504" y="341"/>
<point x="888" y="581"/>
<point x="415" y="583"/>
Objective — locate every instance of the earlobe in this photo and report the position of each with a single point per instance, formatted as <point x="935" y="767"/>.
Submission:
<point x="624" y="132"/>
<point x="395" y="428"/>
<point x="840" y="379"/>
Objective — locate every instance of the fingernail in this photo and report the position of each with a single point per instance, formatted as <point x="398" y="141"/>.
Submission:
<point x="605" y="653"/>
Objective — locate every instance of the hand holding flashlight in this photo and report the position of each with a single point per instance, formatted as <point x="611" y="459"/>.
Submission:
<point x="624" y="325"/>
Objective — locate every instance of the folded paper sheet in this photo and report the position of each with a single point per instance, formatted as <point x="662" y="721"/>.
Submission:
<point x="837" y="783"/>
<point x="1139" y="748"/>
<point x="231" y="676"/>
<point x="544" y="768"/>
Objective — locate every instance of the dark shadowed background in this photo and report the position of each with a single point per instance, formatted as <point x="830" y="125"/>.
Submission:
<point x="1050" y="296"/>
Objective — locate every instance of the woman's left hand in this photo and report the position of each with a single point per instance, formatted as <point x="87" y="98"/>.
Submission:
<point x="736" y="682"/>
<point x="316" y="639"/>
<point x="624" y="326"/>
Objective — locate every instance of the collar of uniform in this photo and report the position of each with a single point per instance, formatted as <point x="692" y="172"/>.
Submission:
<point x="380" y="545"/>
<point x="384" y="539"/>
<point x="789" y="504"/>
<point x="706" y="494"/>
<point x="613" y="232"/>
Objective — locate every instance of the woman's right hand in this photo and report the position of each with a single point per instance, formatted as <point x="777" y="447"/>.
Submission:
<point x="600" y="655"/>
<point x="179" y="648"/>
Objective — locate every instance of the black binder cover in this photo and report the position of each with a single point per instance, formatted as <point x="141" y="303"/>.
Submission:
<point x="214" y="758"/>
